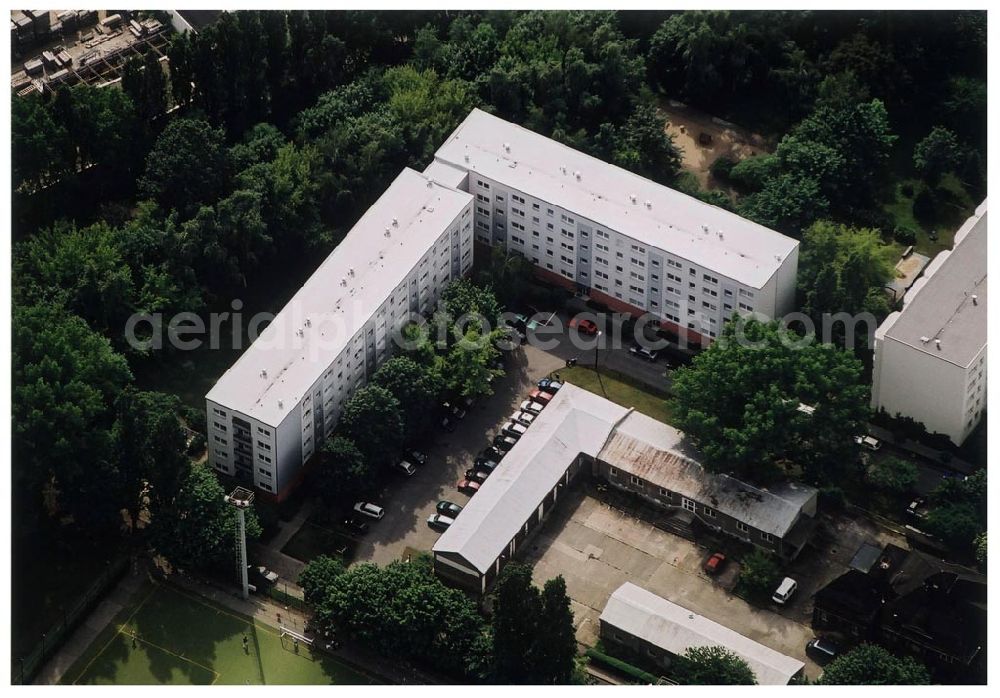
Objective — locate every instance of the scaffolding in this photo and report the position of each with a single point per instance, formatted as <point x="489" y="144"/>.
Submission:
<point x="241" y="499"/>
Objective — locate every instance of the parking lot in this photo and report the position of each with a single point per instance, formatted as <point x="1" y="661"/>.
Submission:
<point x="408" y="501"/>
<point x="596" y="548"/>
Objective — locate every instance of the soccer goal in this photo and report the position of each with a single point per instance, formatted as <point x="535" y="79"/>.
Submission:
<point x="295" y="636"/>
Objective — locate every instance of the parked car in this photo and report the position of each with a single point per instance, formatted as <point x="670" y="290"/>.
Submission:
<point x="487" y="466"/>
<point x="447" y="508"/>
<point x="406" y="467"/>
<point x="448" y="423"/>
<point x="454" y="410"/>
<point x="491" y="453"/>
<point x="266" y="575"/>
<point x="715" y="563"/>
<point x="504" y="442"/>
<point x="477" y="475"/>
<point x="531" y="407"/>
<point x="370" y="510"/>
<point x="352" y="525"/>
<point x="822" y="649"/>
<point x="416" y="457"/>
<point x="917" y="508"/>
<point x="525" y="418"/>
<point x="550" y="385"/>
<point x="514" y="429"/>
<point x="469" y="487"/>
<point x="785" y="590"/>
<point x="644" y="352"/>
<point x="583" y="326"/>
<point x="869" y="442"/>
<point x="439" y="521"/>
<point x="540" y="396"/>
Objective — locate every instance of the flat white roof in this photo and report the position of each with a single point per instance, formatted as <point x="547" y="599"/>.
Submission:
<point x="575" y="421"/>
<point x="339" y="298"/>
<point x="703" y="234"/>
<point x="949" y="302"/>
<point x="672" y="627"/>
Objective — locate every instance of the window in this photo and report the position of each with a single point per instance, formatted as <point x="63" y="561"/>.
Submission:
<point x="664" y="492"/>
<point x="614" y="472"/>
<point x="219" y="412"/>
<point x="635" y="480"/>
<point x="709" y="512"/>
<point x="766" y="537"/>
<point x="742" y="527"/>
<point x="689" y="505"/>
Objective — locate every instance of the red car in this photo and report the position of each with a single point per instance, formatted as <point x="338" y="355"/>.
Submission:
<point x="583" y="326"/>
<point x="540" y="396"/>
<point x="470" y="487"/>
<point x="715" y="563"/>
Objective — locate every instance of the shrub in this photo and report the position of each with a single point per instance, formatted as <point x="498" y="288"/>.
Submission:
<point x="905" y="235"/>
<point x="622" y="667"/>
<point x="751" y="174"/>
<point x="832" y="498"/>
<point x="907" y="190"/>
<point x="924" y="205"/>
<point x="759" y="576"/>
<point x="722" y="167"/>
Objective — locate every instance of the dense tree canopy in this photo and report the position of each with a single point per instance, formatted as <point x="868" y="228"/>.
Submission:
<point x="713" y="666"/>
<point x="871" y="665"/>
<point x="739" y="402"/>
<point x="373" y="419"/>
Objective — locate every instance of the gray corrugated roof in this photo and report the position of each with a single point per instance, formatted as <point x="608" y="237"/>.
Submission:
<point x="675" y="629"/>
<point x="662" y="455"/>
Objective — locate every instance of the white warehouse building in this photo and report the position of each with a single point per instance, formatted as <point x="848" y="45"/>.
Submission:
<point x="629" y="243"/>
<point x="930" y="357"/>
<point x="270" y="411"/>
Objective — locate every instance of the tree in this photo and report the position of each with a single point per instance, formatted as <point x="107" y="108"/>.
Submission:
<point x="893" y="475"/>
<point x="373" y="419"/>
<point x="37" y="142"/>
<point x="403" y="610"/>
<point x="464" y="297"/>
<point x="738" y="402"/>
<point x="417" y="388"/>
<point x="555" y="641"/>
<point x="318" y="576"/>
<point x="144" y="82"/>
<point x="196" y="530"/>
<point x="509" y="273"/>
<point x="871" y="665"/>
<point x="343" y="473"/>
<point x="469" y="365"/>
<point x="516" y="611"/>
<point x="938" y="153"/>
<point x="186" y="166"/>
<point x="150" y="451"/>
<point x="713" y="666"/>
<point x="958" y="511"/>
<point x="981" y="548"/>
<point x="642" y="145"/>
<point x="759" y="576"/>
<point x="65" y="381"/>
<point x="787" y="203"/>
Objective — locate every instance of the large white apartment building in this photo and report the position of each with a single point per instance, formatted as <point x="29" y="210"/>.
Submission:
<point x="271" y="410"/>
<point x="930" y="357"/>
<point x="630" y="243"/>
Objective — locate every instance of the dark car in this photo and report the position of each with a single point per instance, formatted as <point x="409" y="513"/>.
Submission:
<point x="504" y="443"/>
<point x="448" y="508"/>
<point x="417" y="457"/>
<point x="822" y="649"/>
<point x="715" y="563"/>
<point x="491" y="453"/>
<point x="486" y="465"/>
<point x="448" y="423"/>
<point x="550" y="385"/>
<point x="349" y="523"/>
<point x="476" y="475"/>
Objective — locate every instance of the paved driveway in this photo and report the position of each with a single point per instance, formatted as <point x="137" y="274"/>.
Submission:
<point x="409" y="501"/>
<point x="597" y="548"/>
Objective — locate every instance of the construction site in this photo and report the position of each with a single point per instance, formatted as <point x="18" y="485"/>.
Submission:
<point x="50" y="48"/>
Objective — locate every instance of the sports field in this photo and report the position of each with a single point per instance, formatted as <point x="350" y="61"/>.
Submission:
<point x="172" y="637"/>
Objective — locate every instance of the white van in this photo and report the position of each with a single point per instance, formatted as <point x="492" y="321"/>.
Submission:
<point x="785" y="590"/>
<point x="869" y="442"/>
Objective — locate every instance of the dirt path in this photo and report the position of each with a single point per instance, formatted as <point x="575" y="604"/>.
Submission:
<point x="690" y="127"/>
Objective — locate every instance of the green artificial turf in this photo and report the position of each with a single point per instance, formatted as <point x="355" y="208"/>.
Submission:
<point x="172" y="637"/>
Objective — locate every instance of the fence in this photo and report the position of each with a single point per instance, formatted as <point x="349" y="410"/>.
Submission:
<point x="25" y="668"/>
<point x="286" y="598"/>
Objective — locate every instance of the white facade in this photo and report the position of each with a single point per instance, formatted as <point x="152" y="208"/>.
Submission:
<point x="627" y="241"/>
<point x="272" y="409"/>
<point x="930" y="357"/>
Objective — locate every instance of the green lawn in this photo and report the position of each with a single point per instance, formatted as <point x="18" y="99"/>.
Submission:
<point x="181" y="639"/>
<point x="951" y="215"/>
<point x="619" y="388"/>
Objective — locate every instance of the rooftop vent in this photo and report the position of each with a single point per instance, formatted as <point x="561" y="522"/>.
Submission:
<point x="430" y="184"/>
<point x="263" y="373"/>
<point x="343" y="282"/>
<point x="937" y="343"/>
<point x="562" y="168"/>
<point x="577" y="175"/>
<point x="395" y="222"/>
<point x="704" y="228"/>
<point x="350" y="272"/>
<point x="506" y="146"/>
<point x="721" y="236"/>
<point x="281" y="404"/>
<point x="632" y="198"/>
<point x="975" y="299"/>
<point x="649" y="204"/>
<point x="309" y="322"/>
<point x="925" y="339"/>
<point x="466" y="157"/>
<point x="300" y="332"/>
<point x="388" y="233"/>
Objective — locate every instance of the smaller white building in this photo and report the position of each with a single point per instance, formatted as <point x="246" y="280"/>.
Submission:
<point x="930" y="357"/>
<point x="661" y="630"/>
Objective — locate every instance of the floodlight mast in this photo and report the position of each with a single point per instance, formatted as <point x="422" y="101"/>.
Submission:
<point x="241" y="499"/>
